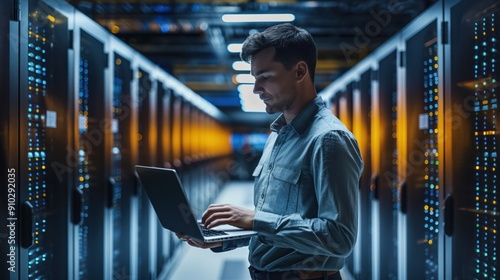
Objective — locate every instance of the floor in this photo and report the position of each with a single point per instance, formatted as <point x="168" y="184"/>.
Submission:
<point x="195" y="263"/>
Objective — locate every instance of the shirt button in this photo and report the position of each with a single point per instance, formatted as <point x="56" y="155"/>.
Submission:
<point x="262" y="196"/>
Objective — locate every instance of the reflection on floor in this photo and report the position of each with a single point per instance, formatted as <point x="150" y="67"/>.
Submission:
<point x="202" y="264"/>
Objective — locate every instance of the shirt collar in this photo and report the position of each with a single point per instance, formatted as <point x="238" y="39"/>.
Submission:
<point x="303" y="119"/>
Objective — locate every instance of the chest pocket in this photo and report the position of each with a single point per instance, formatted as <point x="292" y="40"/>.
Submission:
<point x="283" y="190"/>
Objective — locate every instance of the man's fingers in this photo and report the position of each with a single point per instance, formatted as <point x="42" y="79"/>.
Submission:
<point x="220" y="214"/>
<point x="214" y="208"/>
<point x="217" y="218"/>
<point x="193" y="243"/>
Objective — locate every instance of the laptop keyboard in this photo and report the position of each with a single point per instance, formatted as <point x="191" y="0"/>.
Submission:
<point x="211" y="232"/>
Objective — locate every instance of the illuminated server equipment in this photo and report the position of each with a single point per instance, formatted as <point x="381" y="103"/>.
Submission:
<point x="486" y="137"/>
<point x="43" y="142"/>
<point x="434" y="145"/>
<point x="474" y="86"/>
<point x="79" y="114"/>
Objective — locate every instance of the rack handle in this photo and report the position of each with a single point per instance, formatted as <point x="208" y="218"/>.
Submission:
<point x="111" y="192"/>
<point x="448" y="214"/>
<point x="77" y="210"/>
<point x="26" y="225"/>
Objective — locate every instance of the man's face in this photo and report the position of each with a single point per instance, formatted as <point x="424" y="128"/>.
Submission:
<point x="274" y="84"/>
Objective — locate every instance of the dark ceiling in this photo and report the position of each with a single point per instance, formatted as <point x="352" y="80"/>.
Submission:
<point x="189" y="39"/>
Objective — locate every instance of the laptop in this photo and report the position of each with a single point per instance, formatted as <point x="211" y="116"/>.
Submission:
<point x="165" y="191"/>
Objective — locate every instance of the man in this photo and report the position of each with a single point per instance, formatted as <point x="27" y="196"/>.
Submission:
<point x="306" y="183"/>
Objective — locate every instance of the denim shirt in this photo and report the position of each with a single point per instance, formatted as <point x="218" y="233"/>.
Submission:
<point x="305" y="194"/>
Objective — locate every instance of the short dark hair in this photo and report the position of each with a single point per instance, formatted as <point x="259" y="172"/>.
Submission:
<point x="292" y="44"/>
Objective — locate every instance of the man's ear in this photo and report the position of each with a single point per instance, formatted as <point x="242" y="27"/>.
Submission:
<point x="301" y="70"/>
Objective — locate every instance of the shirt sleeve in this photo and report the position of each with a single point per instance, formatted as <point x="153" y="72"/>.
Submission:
<point x="336" y="166"/>
<point x="231" y="245"/>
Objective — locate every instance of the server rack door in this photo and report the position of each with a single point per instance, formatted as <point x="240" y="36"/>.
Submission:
<point x="9" y="139"/>
<point x="185" y="174"/>
<point x="122" y="171"/>
<point x="166" y="248"/>
<point x="45" y="127"/>
<point x="164" y="126"/>
<point x="93" y="154"/>
<point x="473" y="150"/>
<point x="423" y="184"/>
<point x="147" y="144"/>
<point x="160" y="122"/>
<point x="177" y="132"/>
<point x="385" y="169"/>
<point x="176" y="142"/>
<point x="362" y="131"/>
<point x="206" y="175"/>
<point x="345" y="106"/>
<point x="197" y="167"/>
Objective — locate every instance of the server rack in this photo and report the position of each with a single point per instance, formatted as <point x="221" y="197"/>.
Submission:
<point x="472" y="154"/>
<point x="165" y="97"/>
<point x="345" y="105"/>
<point x="177" y="131"/>
<point x="147" y="156"/>
<point x="186" y="170"/>
<point x="165" y="100"/>
<point x="423" y="121"/>
<point x="166" y="240"/>
<point x="361" y="128"/>
<point x="206" y="174"/>
<point x="204" y="197"/>
<point x="419" y="252"/>
<point x="422" y="143"/>
<point x="385" y="204"/>
<point x="9" y="139"/>
<point x="94" y="155"/>
<point x="44" y="172"/>
<point x="176" y="138"/>
<point x="70" y="134"/>
<point x="162" y="101"/>
<point x="124" y="154"/>
<point x="197" y="197"/>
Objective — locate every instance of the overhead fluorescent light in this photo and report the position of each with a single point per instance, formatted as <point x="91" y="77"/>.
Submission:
<point x="241" y="66"/>
<point x="258" y="17"/>
<point x="246" y="88"/>
<point x="234" y="48"/>
<point x="250" y="102"/>
<point x="245" y="79"/>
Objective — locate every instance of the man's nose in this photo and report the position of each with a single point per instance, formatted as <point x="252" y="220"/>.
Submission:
<point x="257" y="89"/>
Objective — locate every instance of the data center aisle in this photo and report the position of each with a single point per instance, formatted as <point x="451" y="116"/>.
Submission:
<point x="200" y="264"/>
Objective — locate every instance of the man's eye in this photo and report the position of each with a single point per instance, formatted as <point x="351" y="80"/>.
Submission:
<point x="262" y="77"/>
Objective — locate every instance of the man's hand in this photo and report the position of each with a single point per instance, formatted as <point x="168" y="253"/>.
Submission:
<point x="197" y="243"/>
<point x="227" y="214"/>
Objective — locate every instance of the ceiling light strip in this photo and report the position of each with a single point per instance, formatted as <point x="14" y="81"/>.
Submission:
<point x="258" y="17"/>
